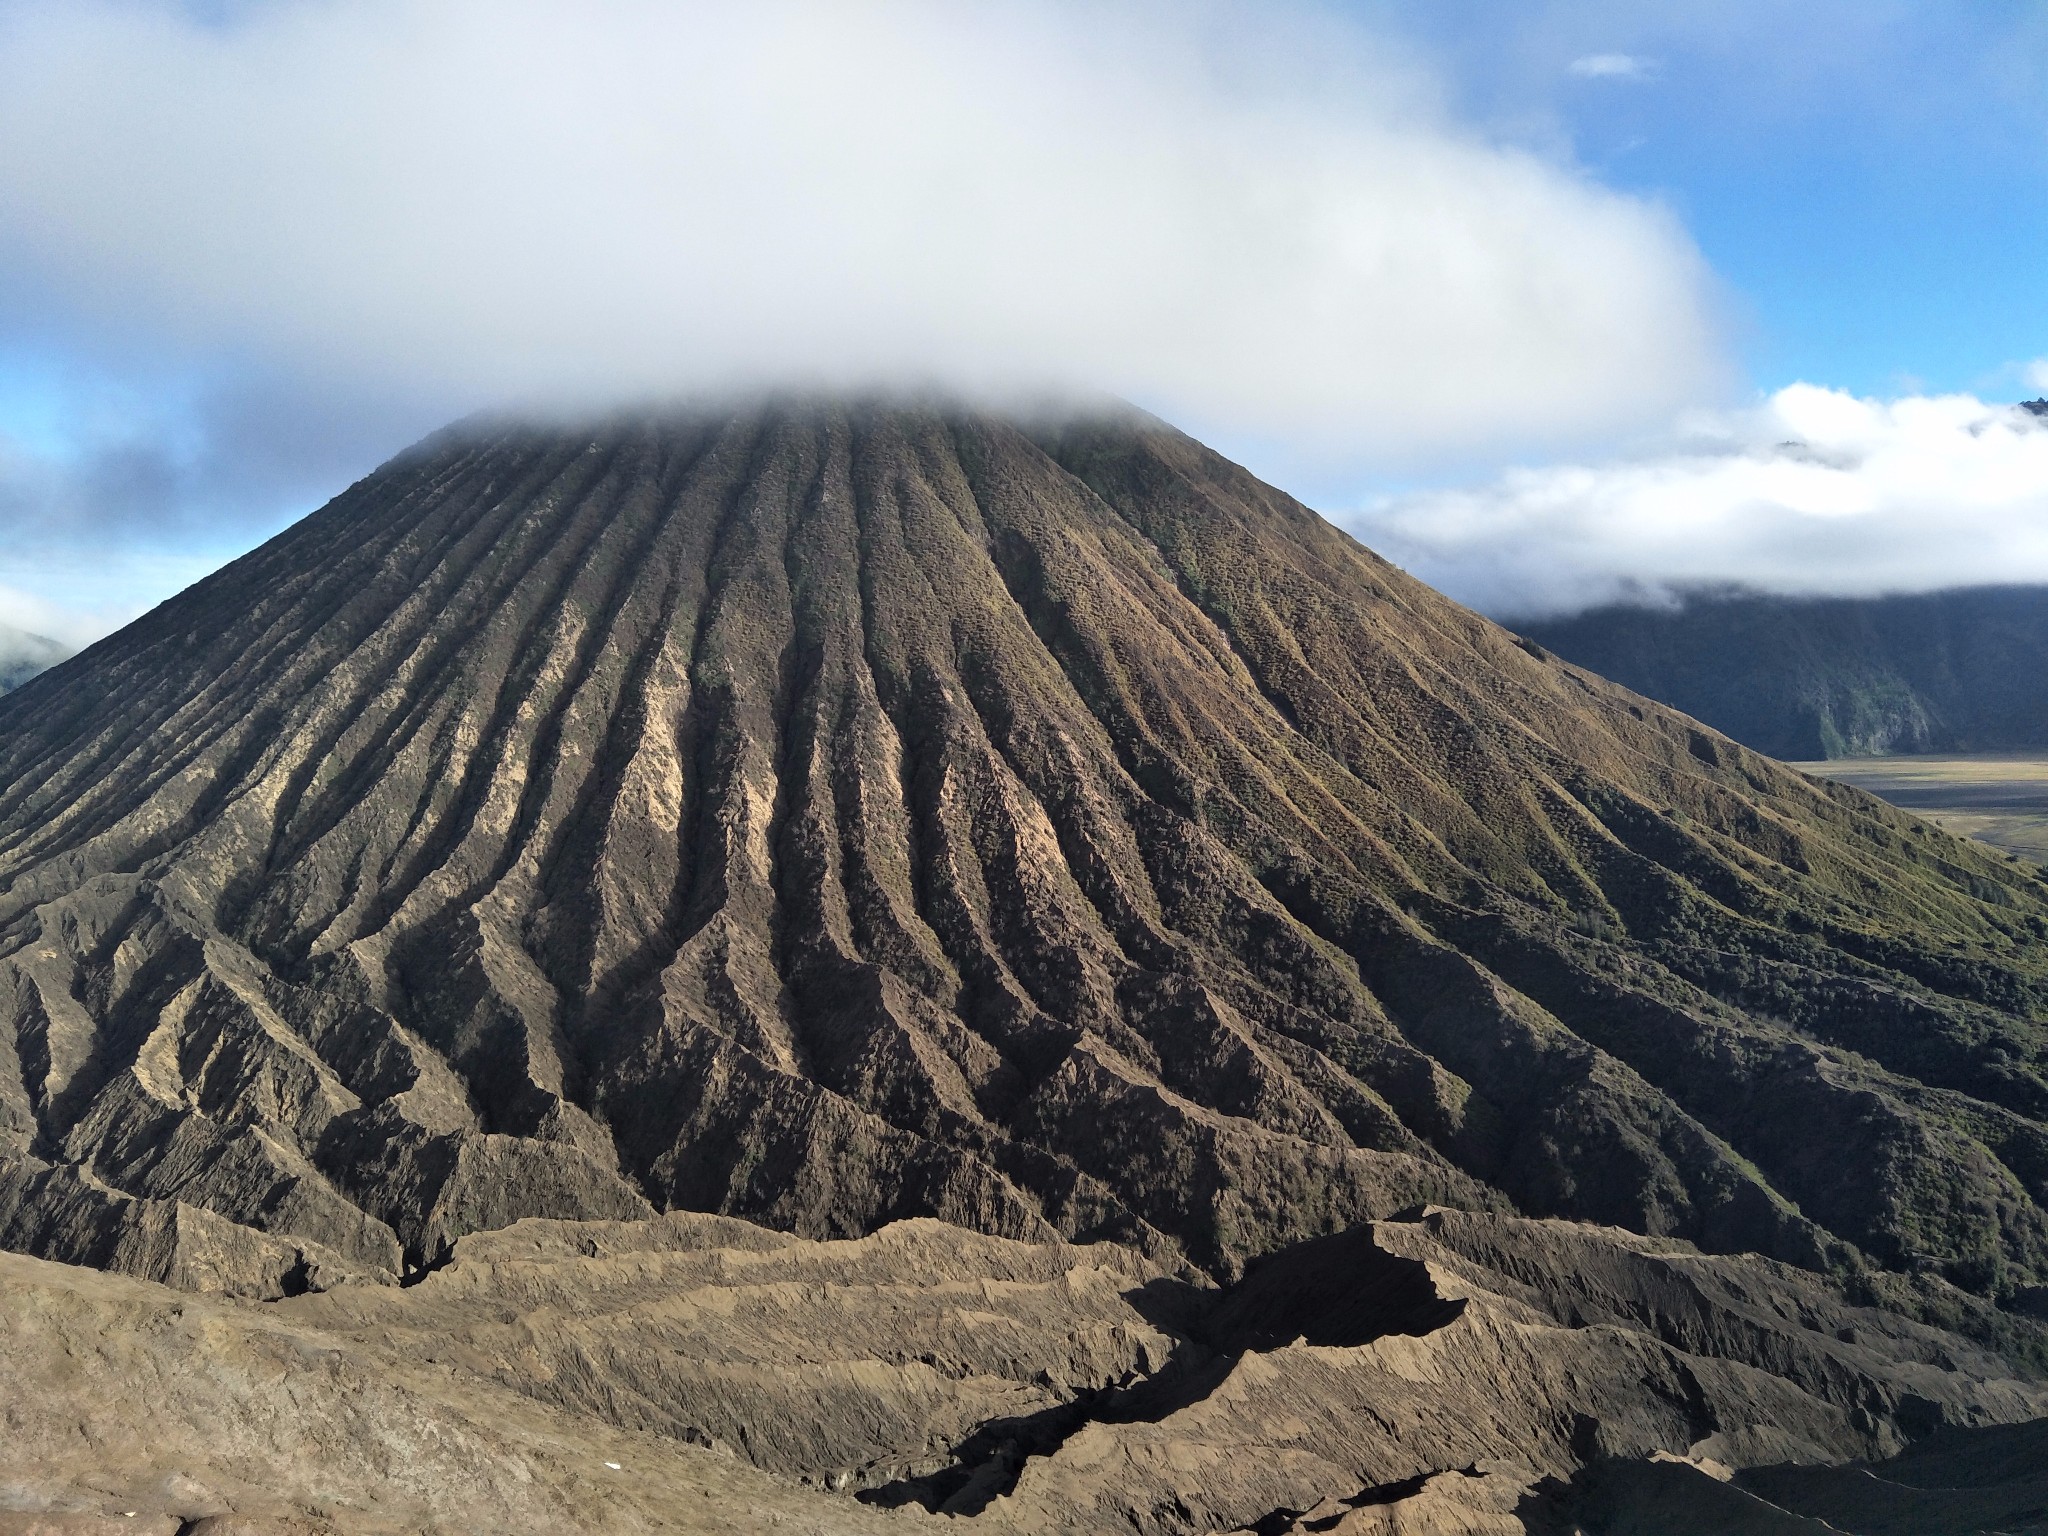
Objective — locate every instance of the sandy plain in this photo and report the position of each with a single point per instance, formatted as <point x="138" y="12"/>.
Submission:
<point x="1996" y="798"/>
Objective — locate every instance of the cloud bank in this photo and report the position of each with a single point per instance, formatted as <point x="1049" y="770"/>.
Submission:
<point x="1244" y="216"/>
<point x="1814" y="491"/>
<point x="23" y="655"/>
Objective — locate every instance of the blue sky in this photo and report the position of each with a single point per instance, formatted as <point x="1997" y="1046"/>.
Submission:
<point x="1869" y="180"/>
<point x="243" y="258"/>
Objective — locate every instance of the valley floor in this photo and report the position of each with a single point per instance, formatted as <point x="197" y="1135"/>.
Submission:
<point x="1996" y="798"/>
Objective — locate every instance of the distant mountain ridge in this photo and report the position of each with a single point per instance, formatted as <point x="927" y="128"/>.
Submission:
<point x="1802" y="678"/>
<point x="23" y="655"/>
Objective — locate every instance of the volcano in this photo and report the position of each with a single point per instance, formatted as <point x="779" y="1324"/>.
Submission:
<point x="827" y="812"/>
<point x="996" y="965"/>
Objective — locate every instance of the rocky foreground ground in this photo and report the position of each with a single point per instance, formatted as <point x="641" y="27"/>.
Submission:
<point x="1445" y="1373"/>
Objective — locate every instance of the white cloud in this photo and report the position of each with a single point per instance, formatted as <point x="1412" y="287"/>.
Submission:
<point x="28" y="622"/>
<point x="1241" y="215"/>
<point x="22" y="656"/>
<point x="1814" y="491"/>
<point x="2036" y="374"/>
<point x="1612" y="66"/>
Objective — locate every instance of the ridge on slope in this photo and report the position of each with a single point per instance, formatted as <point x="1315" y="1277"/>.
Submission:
<point x="830" y="812"/>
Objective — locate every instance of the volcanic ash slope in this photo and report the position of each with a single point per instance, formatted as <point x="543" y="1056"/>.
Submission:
<point x="827" y="813"/>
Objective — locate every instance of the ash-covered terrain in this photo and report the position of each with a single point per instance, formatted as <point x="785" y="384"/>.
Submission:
<point x="828" y="813"/>
<point x="1447" y="1373"/>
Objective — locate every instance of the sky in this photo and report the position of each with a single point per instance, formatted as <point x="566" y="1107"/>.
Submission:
<point x="1553" y="301"/>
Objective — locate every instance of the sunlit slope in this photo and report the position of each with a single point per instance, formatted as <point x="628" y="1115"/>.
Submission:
<point x="830" y="812"/>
